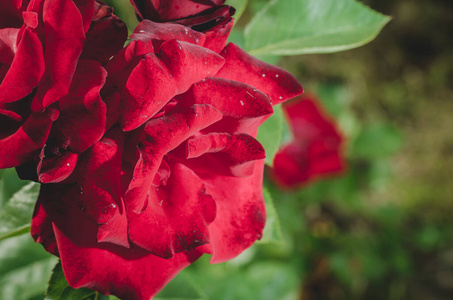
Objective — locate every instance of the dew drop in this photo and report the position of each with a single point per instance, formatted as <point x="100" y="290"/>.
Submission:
<point x="141" y="31"/>
<point x="242" y="103"/>
<point x="264" y="75"/>
<point x="179" y="47"/>
<point x="68" y="164"/>
<point x="280" y="97"/>
<point x="276" y="75"/>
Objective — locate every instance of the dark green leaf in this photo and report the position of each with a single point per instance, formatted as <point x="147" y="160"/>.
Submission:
<point x="15" y="216"/>
<point x="319" y="26"/>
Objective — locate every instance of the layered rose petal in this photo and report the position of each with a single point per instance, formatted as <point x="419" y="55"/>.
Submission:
<point x="242" y="216"/>
<point x="223" y="154"/>
<point x="10" y="13"/>
<point x="108" y="268"/>
<point x="19" y="147"/>
<point x="26" y="69"/>
<point x="276" y="83"/>
<point x="140" y="275"/>
<point x="57" y="168"/>
<point x="158" y="78"/>
<point x="65" y="35"/>
<point x="152" y="35"/>
<point x="163" y="135"/>
<point x="83" y="113"/>
<point x="106" y="35"/>
<point x="176" y="214"/>
<point x="243" y="107"/>
<point x="165" y="10"/>
<point x="316" y="149"/>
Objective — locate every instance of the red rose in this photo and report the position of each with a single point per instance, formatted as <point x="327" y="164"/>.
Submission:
<point x="316" y="149"/>
<point x="50" y="76"/>
<point x="179" y="171"/>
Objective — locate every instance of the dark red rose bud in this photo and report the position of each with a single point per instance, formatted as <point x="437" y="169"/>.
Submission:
<point x="316" y="150"/>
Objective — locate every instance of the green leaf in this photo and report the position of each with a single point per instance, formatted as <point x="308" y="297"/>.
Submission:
<point x="272" y="231"/>
<point x="16" y="214"/>
<point x="9" y="184"/>
<point x="377" y="141"/>
<point x="59" y="289"/>
<point x="270" y="134"/>
<point x="239" y="5"/>
<point x="24" y="268"/>
<point x="182" y="287"/>
<point x="293" y="27"/>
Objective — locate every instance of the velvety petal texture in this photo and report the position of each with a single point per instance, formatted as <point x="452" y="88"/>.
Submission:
<point x="316" y="150"/>
<point x="166" y="10"/>
<point x="51" y="74"/>
<point x="153" y="159"/>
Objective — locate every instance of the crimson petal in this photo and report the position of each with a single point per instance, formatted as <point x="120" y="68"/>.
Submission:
<point x="275" y="82"/>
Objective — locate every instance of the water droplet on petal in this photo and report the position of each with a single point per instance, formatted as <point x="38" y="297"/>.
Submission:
<point x="68" y="164"/>
<point x="264" y="75"/>
<point x="276" y="75"/>
<point x="242" y="103"/>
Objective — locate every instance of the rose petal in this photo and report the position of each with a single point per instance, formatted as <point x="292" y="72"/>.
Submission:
<point x="87" y="9"/>
<point x="26" y="69"/>
<point x="106" y="36"/>
<point x="157" y="79"/>
<point x="83" y="113"/>
<point x="65" y="36"/>
<point x="127" y="273"/>
<point x="164" y="10"/>
<point x="275" y="82"/>
<point x="41" y="226"/>
<point x="10" y="13"/>
<point x="163" y="135"/>
<point x="56" y="169"/>
<point x="316" y="148"/>
<point x="244" y="108"/>
<point x="19" y="147"/>
<point x="98" y="190"/>
<point x="152" y="35"/>
<point x="242" y="216"/>
<point x="176" y="215"/>
<point x="217" y="154"/>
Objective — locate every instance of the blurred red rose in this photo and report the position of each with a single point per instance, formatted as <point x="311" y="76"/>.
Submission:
<point x="179" y="171"/>
<point x="50" y="76"/>
<point x="316" y="148"/>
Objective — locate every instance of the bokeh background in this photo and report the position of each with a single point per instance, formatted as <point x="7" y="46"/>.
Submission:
<point x="384" y="229"/>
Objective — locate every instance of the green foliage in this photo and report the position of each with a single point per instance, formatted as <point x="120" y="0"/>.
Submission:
<point x="9" y="184"/>
<point x="59" y="289"/>
<point x="377" y="141"/>
<point x="292" y="27"/>
<point x="24" y="268"/>
<point x="16" y="214"/>
<point x="239" y="5"/>
<point x="272" y="232"/>
<point x="270" y="134"/>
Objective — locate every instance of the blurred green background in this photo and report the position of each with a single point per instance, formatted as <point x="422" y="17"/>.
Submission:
<point x="382" y="231"/>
